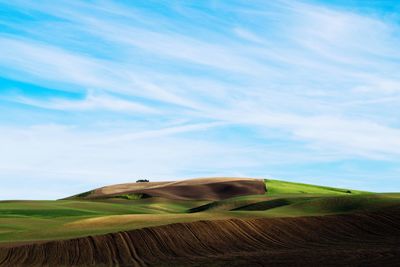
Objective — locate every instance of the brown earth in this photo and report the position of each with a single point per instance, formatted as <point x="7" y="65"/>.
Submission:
<point x="193" y="189"/>
<point x="369" y="239"/>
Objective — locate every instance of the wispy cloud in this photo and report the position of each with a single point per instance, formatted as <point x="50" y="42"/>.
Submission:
<point x="296" y="81"/>
<point x="90" y="102"/>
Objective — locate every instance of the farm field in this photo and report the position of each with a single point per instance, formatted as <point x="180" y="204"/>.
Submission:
<point x="25" y="220"/>
<point x="127" y="208"/>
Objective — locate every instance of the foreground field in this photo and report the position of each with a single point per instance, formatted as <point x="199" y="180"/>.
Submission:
<point x="367" y="239"/>
<point x="278" y="208"/>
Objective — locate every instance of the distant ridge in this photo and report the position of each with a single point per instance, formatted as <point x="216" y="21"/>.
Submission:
<point x="192" y="189"/>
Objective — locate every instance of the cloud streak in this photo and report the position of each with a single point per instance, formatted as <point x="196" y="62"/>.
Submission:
<point x="284" y="78"/>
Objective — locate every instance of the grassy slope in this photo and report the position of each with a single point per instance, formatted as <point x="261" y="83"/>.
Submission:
<point x="276" y="187"/>
<point x="297" y="199"/>
<point x="38" y="220"/>
<point x="320" y="205"/>
<point x="279" y="193"/>
<point x="32" y="220"/>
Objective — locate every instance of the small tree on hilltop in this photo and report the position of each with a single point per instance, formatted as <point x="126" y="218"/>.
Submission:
<point x="142" y="181"/>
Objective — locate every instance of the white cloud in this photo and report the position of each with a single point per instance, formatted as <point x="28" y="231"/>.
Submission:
<point x="322" y="84"/>
<point x="49" y="63"/>
<point x="247" y="35"/>
<point x="91" y="102"/>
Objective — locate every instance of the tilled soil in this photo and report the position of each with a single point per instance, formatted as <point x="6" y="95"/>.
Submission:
<point x="369" y="239"/>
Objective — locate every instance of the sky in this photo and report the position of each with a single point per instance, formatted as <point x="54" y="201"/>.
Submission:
<point x="94" y="93"/>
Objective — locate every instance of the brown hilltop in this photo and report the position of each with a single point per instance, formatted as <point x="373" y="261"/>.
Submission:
<point x="369" y="239"/>
<point x="193" y="189"/>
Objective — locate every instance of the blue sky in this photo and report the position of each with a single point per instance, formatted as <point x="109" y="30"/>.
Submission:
<point x="101" y="92"/>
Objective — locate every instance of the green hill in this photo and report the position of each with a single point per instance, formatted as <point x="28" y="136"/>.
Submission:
<point x="46" y="220"/>
<point x="277" y="187"/>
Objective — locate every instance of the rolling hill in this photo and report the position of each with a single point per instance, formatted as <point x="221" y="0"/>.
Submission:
<point x="265" y="221"/>
<point x="194" y="189"/>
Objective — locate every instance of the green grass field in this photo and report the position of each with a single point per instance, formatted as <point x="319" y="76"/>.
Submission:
<point x="22" y="221"/>
<point x="276" y="187"/>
